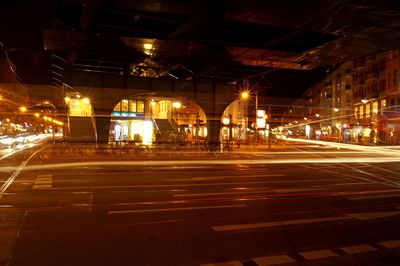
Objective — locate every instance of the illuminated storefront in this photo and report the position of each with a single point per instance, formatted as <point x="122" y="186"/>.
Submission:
<point x="157" y="119"/>
<point x="129" y="122"/>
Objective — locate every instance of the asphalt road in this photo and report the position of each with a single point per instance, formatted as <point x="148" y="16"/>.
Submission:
<point x="295" y="205"/>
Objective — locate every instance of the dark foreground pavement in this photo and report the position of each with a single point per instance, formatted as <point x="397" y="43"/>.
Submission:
<point x="199" y="213"/>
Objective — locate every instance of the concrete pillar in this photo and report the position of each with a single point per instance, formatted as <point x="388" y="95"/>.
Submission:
<point x="103" y="121"/>
<point x="213" y="133"/>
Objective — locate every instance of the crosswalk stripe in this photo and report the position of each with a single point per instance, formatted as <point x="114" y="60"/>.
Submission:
<point x="43" y="182"/>
<point x="273" y="260"/>
<point x="358" y="249"/>
<point x="41" y="186"/>
<point x="44" y="178"/>
<point x="226" y="263"/>
<point x="390" y="244"/>
<point x="318" y="254"/>
<point x="45" y="175"/>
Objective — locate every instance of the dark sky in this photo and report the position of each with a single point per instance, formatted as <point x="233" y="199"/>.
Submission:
<point x="290" y="83"/>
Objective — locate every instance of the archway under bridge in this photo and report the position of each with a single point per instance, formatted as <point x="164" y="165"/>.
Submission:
<point x="105" y="90"/>
<point x="151" y="118"/>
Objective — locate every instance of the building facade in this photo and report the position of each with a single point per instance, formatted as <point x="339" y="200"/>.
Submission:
<point x="358" y="102"/>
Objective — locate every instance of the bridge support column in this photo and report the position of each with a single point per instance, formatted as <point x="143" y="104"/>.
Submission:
<point x="103" y="127"/>
<point x="213" y="134"/>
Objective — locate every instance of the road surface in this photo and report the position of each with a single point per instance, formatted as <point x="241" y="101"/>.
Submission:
<point x="295" y="205"/>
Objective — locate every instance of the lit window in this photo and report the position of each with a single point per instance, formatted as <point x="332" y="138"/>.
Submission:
<point x="367" y="110"/>
<point x="140" y="107"/>
<point x="117" y="108"/>
<point x="361" y="111"/>
<point x="375" y="107"/>
<point x="124" y="105"/>
<point x="383" y="106"/>
<point x="356" y="112"/>
<point x="132" y="106"/>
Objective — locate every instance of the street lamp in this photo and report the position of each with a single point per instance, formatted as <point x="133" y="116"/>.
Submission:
<point x="23" y="109"/>
<point x="364" y="101"/>
<point x="336" y="110"/>
<point x="245" y="95"/>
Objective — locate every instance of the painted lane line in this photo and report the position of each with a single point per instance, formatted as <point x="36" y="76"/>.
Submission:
<point x="178" y="209"/>
<point x="292" y="190"/>
<point x="42" y="182"/>
<point x="318" y="254"/>
<point x="235" y="227"/>
<point x="349" y="216"/>
<point x="374" y="197"/>
<point x="390" y="244"/>
<point x="11" y="179"/>
<point x="41" y="186"/>
<point x="226" y="263"/>
<point x="385" y="159"/>
<point x="353" y="184"/>
<point x="223" y="193"/>
<point x="44" y="176"/>
<point x="273" y="260"/>
<point x="222" y="177"/>
<point x="245" y="192"/>
<point x="358" y="249"/>
<point x="176" y="185"/>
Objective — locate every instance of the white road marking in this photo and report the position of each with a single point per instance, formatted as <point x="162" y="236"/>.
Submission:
<point x="390" y="244"/>
<point x="234" y="227"/>
<point x="372" y="215"/>
<point x="226" y="263"/>
<point x="44" y="176"/>
<point x="42" y="182"/>
<point x="222" y="177"/>
<point x="374" y="197"/>
<point x="179" y="209"/>
<point x="273" y="260"/>
<point x="222" y="193"/>
<point x="358" y="249"/>
<point x="291" y="190"/>
<point x="11" y="179"/>
<point x="318" y="254"/>
<point x="385" y="159"/>
<point x="41" y="186"/>
<point x="352" y="184"/>
<point x="186" y="185"/>
<point x="349" y="216"/>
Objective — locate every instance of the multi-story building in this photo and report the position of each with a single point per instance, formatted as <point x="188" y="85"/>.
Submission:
<point x="358" y="102"/>
<point x="376" y="95"/>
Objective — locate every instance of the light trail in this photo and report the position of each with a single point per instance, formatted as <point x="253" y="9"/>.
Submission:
<point x="70" y="166"/>
<point x="369" y="149"/>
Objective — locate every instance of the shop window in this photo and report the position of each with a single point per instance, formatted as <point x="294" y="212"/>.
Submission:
<point x="383" y="106"/>
<point x="367" y="110"/>
<point x="356" y="113"/>
<point x="124" y="105"/>
<point x="140" y="107"/>
<point x="361" y="111"/>
<point x="375" y="107"/>
<point x="132" y="106"/>
<point x="117" y="108"/>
